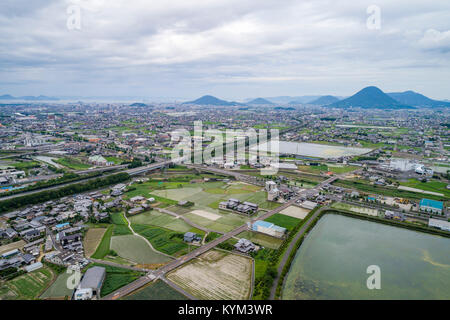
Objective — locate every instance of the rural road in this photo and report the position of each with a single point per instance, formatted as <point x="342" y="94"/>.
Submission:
<point x="291" y="247"/>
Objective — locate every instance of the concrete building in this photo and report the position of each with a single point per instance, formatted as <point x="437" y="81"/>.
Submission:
<point x="431" y="206"/>
<point x="440" y="224"/>
<point x="91" y="284"/>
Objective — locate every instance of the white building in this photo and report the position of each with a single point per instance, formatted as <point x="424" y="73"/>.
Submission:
<point x="440" y="224"/>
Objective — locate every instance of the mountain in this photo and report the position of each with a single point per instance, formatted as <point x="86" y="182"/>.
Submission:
<point x="138" y="104"/>
<point x="417" y="100"/>
<point x="370" y="98"/>
<point x="289" y="99"/>
<point x="324" y="100"/>
<point x="28" y="98"/>
<point x="7" y="97"/>
<point x="260" y="101"/>
<point x="212" y="101"/>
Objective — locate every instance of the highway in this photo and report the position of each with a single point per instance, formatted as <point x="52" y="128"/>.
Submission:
<point x="161" y="272"/>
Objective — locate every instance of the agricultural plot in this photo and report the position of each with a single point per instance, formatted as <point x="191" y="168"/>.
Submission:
<point x="160" y="219"/>
<point x="156" y="291"/>
<point x="29" y="286"/>
<point x="92" y="240"/>
<point x="216" y="275"/>
<point x="58" y="289"/>
<point x="164" y="240"/>
<point x="12" y="246"/>
<point x="284" y="221"/>
<point x="295" y="212"/>
<point x="363" y="210"/>
<point x="136" y="249"/>
<point x="104" y="246"/>
<point x="116" y="278"/>
<point x="261" y="239"/>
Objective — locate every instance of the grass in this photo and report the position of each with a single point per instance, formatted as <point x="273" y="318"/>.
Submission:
<point x="120" y="224"/>
<point x="30" y="285"/>
<point x="134" y="248"/>
<point x="158" y="290"/>
<point x="433" y="186"/>
<point x="164" y="240"/>
<point x="72" y="163"/>
<point x="116" y="278"/>
<point x="284" y="221"/>
<point x="261" y="239"/>
<point x="104" y="246"/>
<point x="58" y="289"/>
<point x="114" y="159"/>
<point x="92" y="239"/>
<point x="390" y="192"/>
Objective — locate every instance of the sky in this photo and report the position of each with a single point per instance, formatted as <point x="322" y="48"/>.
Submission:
<point x="232" y="49"/>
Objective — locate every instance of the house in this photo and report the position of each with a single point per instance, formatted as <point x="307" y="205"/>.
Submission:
<point x="432" y="206"/>
<point x="135" y="210"/>
<point x="308" y="205"/>
<point x="244" y="246"/>
<point x="269" y="228"/>
<point x="236" y="205"/>
<point x="91" y="284"/>
<point x="191" y="237"/>
<point x="31" y="235"/>
<point x="137" y="199"/>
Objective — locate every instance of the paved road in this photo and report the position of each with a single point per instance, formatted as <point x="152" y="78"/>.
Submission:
<point x="113" y="264"/>
<point x="289" y="250"/>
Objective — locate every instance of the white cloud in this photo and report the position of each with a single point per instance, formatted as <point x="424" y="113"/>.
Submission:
<point x="232" y="48"/>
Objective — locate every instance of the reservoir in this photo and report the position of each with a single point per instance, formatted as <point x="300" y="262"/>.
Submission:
<point x="314" y="150"/>
<point x="332" y="262"/>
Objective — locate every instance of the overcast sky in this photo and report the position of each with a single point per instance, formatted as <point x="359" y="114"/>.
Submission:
<point x="233" y="49"/>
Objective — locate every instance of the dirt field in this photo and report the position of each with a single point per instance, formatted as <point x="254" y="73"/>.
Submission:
<point x="12" y="246"/>
<point x="295" y="212"/>
<point x="206" y="214"/>
<point x="216" y="275"/>
<point x="92" y="240"/>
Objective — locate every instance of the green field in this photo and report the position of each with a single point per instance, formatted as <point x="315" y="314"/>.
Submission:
<point x="134" y="248"/>
<point x="28" y="286"/>
<point x="58" y="289"/>
<point x="156" y="291"/>
<point x="159" y="219"/>
<point x="261" y="239"/>
<point x="120" y="224"/>
<point x="164" y="240"/>
<point x="104" y="246"/>
<point x="284" y="221"/>
<point x="433" y="186"/>
<point x="116" y="278"/>
<point x="72" y="163"/>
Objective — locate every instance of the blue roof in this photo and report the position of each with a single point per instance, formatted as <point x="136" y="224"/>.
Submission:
<point x="62" y="225"/>
<point x="432" y="203"/>
<point x="266" y="224"/>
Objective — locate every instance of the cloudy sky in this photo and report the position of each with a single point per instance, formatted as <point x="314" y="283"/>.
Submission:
<point x="233" y="49"/>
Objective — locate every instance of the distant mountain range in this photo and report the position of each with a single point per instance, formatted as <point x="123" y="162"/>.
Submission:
<point x="415" y="99"/>
<point x="324" y="100"/>
<point x="28" y="98"/>
<point x="260" y="101"/>
<point x="370" y="98"/>
<point x="212" y="101"/>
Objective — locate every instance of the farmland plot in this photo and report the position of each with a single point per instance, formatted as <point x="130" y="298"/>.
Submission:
<point x="216" y="275"/>
<point x="135" y="249"/>
<point x="92" y="240"/>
